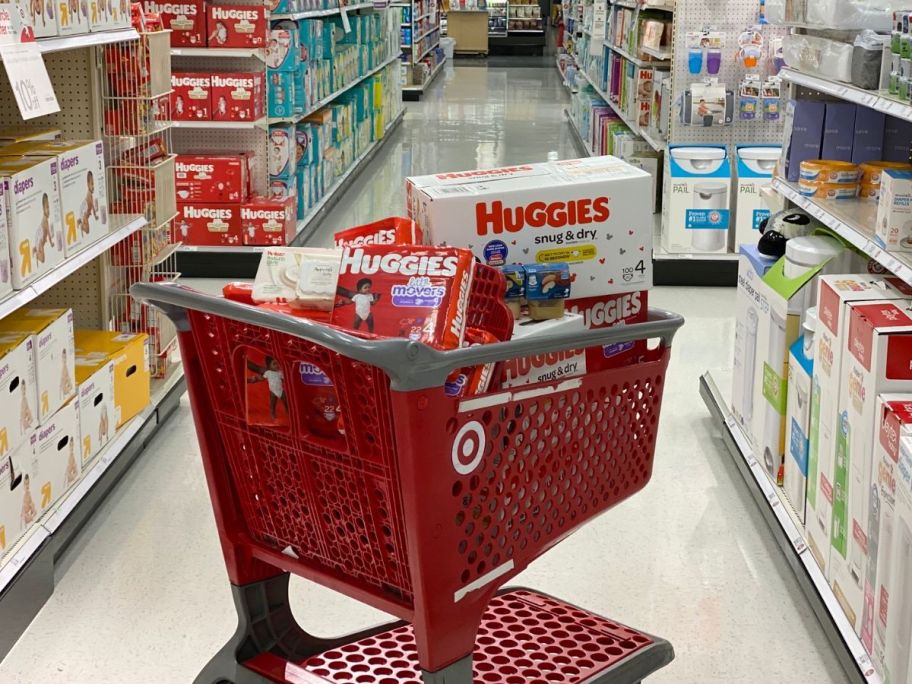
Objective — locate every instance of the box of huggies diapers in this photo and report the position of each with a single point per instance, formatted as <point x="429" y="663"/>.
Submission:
<point x="33" y="217"/>
<point x="551" y="366"/>
<point x="51" y="331"/>
<point x="588" y="213"/>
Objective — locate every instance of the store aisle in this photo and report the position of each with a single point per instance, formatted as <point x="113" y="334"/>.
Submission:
<point x="145" y="598"/>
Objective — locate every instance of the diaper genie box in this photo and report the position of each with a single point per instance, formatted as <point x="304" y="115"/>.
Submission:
<point x="589" y="213"/>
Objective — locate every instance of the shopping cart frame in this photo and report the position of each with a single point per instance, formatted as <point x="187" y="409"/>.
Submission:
<point x="259" y="585"/>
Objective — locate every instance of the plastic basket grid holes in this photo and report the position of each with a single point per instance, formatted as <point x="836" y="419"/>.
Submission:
<point x="551" y="463"/>
<point x="333" y="503"/>
<point x="524" y="638"/>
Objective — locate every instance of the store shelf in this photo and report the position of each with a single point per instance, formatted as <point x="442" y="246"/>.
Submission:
<point x="577" y="136"/>
<point x="312" y="14"/>
<point x="658" y="54"/>
<point x="426" y="53"/>
<point x="654" y="143"/>
<point x="846" y="644"/>
<point x="242" y="261"/>
<point x="332" y="96"/>
<point x="636" y="60"/>
<point x="19" y="298"/>
<point x="509" y="30"/>
<point x="418" y="90"/>
<point x="869" y="98"/>
<point x="632" y="4"/>
<point x="27" y="574"/>
<point x="853" y="220"/>
<point x="220" y="53"/>
<point x="223" y="125"/>
<point x="61" y="43"/>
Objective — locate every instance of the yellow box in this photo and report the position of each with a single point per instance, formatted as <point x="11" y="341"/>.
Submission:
<point x="131" y="368"/>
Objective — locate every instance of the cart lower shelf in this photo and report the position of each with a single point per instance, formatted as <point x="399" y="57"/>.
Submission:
<point x="525" y="637"/>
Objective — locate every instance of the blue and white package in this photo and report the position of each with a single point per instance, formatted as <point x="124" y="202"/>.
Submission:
<point x="754" y="170"/>
<point x="281" y="93"/>
<point x="696" y="211"/>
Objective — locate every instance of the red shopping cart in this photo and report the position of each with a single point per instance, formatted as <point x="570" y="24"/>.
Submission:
<point x="418" y="503"/>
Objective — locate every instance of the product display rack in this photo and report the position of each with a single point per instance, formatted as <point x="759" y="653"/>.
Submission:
<point x="847" y="646"/>
<point x="421" y="53"/>
<point x="513" y="24"/>
<point x="92" y="283"/>
<point x="242" y="262"/>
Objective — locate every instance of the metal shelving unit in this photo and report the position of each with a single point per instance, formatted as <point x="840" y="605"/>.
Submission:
<point x="846" y="644"/>
<point x="242" y="261"/>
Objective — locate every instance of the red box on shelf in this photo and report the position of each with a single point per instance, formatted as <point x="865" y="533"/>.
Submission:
<point x="191" y="95"/>
<point x="211" y="178"/>
<point x="266" y="221"/>
<point x="200" y="223"/>
<point x="238" y="96"/>
<point x="236" y="26"/>
<point x="186" y="19"/>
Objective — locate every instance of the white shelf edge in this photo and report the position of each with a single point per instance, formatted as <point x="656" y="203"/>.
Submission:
<point x="868" y="98"/>
<point x="69" y="266"/>
<point x="221" y="53"/>
<point x="312" y="14"/>
<point x="509" y="30"/>
<point x="332" y="96"/>
<point x="778" y="508"/>
<point x="654" y="144"/>
<point x="664" y="55"/>
<point x="56" y="515"/>
<point x="430" y="78"/>
<point x="576" y="134"/>
<point x="852" y="233"/>
<point x="302" y="222"/>
<point x="630" y="58"/>
<point x="60" y="43"/>
<point x="427" y="52"/>
<point x="224" y="125"/>
<point x="632" y="4"/>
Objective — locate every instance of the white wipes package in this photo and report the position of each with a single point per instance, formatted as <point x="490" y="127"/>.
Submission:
<point x="304" y="277"/>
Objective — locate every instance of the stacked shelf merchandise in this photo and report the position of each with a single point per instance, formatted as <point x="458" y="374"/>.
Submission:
<point x="81" y="352"/>
<point x="307" y="96"/>
<point x="497" y="17"/>
<point x="524" y="16"/>
<point x="848" y="578"/>
<point x="422" y="56"/>
<point x="517" y="24"/>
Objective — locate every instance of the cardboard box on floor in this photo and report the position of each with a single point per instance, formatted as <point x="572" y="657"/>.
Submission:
<point x="876" y="355"/>
<point x="894" y="423"/>
<point x="95" y="378"/>
<point x="835" y="292"/>
<point x="51" y="331"/>
<point x="129" y="354"/>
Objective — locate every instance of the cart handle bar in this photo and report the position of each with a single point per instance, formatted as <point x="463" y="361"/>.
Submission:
<point x="409" y="365"/>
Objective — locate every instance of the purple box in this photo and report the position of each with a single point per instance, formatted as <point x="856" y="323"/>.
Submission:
<point x="869" y="134"/>
<point x="838" y="131"/>
<point x="897" y="139"/>
<point x="807" y="132"/>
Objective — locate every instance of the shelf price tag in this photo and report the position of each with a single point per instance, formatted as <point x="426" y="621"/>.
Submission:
<point x="29" y="80"/>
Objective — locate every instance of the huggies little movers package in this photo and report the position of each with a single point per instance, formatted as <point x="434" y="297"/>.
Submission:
<point x="593" y="214"/>
<point x="33" y="217"/>
<point x="419" y="293"/>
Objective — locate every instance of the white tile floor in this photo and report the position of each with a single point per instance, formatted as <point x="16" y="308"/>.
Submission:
<point x="145" y="599"/>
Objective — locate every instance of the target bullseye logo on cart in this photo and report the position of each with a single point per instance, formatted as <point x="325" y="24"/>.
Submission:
<point x="468" y="447"/>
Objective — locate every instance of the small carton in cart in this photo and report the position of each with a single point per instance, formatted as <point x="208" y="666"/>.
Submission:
<point x="588" y="213"/>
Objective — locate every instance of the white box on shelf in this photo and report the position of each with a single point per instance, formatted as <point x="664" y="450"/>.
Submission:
<point x="95" y="378"/>
<point x="897" y="656"/>
<point x="18" y="391"/>
<point x="752" y="304"/>
<point x="83" y="190"/>
<point x="99" y="18"/>
<point x="18" y="511"/>
<point x="797" y="427"/>
<point x="894" y="422"/>
<point x="754" y="168"/>
<point x="72" y="17"/>
<point x="588" y="213"/>
<point x="56" y="456"/>
<point x="876" y="355"/>
<point x="835" y="293"/>
<point x="43" y="15"/>
<point x="696" y="214"/>
<point x="6" y="279"/>
<point x="893" y="227"/>
<point x="51" y="331"/>
<point x="36" y="237"/>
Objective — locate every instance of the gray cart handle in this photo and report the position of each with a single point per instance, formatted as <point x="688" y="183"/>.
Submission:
<point x="409" y="365"/>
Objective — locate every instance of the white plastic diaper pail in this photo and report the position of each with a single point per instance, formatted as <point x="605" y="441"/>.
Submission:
<point x="709" y="196"/>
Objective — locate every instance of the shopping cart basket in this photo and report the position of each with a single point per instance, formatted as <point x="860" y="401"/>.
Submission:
<point x="421" y="504"/>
